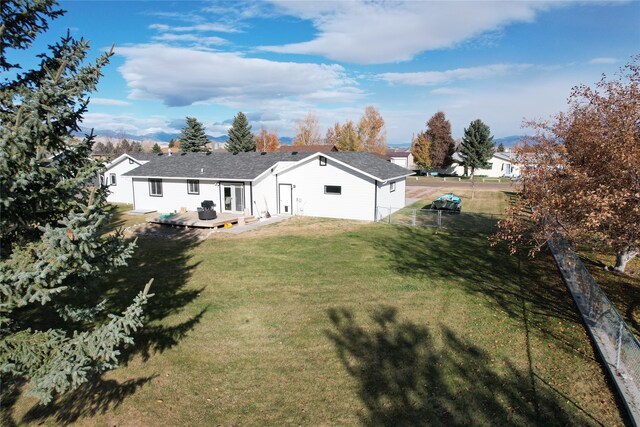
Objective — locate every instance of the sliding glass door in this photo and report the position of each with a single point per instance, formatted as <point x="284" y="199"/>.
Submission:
<point x="233" y="198"/>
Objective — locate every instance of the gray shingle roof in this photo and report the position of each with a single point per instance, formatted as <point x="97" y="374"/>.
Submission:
<point x="241" y="166"/>
<point x="371" y="164"/>
<point x="248" y="166"/>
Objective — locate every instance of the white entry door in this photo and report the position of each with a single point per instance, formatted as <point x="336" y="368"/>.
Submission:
<point x="233" y="198"/>
<point x="286" y="199"/>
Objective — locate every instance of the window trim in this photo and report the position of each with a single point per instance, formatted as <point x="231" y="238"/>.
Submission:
<point x="339" y="187"/>
<point x="112" y="180"/>
<point x="322" y="160"/>
<point x="197" y="186"/>
<point x="157" y="181"/>
<point x="131" y="161"/>
<point x="392" y="187"/>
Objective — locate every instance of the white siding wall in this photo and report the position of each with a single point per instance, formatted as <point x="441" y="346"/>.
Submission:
<point x="174" y="195"/>
<point x="390" y="201"/>
<point x="121" y="192"/>
<point x="496" y="171"/>
<point x="356" y="201"/>
<point x="264" y="195"/>
<point x="400" y="161"/>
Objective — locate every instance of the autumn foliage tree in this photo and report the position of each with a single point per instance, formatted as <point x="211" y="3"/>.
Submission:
<point x="421" y="149"/>
<point x="267" y="141"/>
<point x="371" y="131"/>
<point x="347" y="137"/>
<point x="580" y="171"/>
<point x="308" y="131"/>
<point x="442" y="145"/>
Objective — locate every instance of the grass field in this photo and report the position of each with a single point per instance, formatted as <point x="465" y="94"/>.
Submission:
<point x="325" y="322"/>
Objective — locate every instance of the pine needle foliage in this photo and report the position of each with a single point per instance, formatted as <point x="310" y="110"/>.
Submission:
<point x="54" y="333"/>
<point x="477" y="146"/>
<point x="240" y="136"/>
<point x="193" y="137"/>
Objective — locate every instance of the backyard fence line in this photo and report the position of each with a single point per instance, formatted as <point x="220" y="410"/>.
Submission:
<point x="617" y="345"/>
<point x="484" y="222"/>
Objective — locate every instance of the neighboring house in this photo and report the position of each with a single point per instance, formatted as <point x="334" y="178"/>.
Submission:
<point x="402" y="158"/>
<point x="316" y="148"/>
<point x="501" y="165"/>
<point x="120" y="189"/>
<point x="350" y="185"/>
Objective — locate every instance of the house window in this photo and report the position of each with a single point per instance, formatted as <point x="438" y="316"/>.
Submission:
<point x="392" y="187"/>
<point x="193" y="186"/>
<point x="155" y="187"/>
<point x="112" y="179"/>
<point x="323" y="161"/>
<point x="332" y="189"/>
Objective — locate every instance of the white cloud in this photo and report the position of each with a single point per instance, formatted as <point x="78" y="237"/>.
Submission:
<point x="383" y="32"/>
<point x="427" y="78"/>
<point x="127" y="123"/>
<point x="205" y="27"/>
<point x="108" y="101"/>
<point x="181" y="77"/>
<point x="192" y="38"/>
<point x="448" y="91"/>
<point x="603" y="60"/>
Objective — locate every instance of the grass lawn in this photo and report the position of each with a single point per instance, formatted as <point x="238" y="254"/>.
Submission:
<point x="326" y="322"/>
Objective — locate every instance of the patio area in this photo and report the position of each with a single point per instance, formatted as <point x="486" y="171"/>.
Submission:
<point x="190" y="219"/>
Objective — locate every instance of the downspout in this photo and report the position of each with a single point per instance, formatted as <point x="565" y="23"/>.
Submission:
<point x="375" y="201"/>
<point x="251" y="190"/>
<point x="133" y="192"/>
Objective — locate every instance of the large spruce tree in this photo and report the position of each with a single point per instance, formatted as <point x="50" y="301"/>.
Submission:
<point x="54" y="333"/>
<point x="477" y="146"/>
<point x="442" y="145"/>
<point x="240" y="136"/>
<point x="193" y="137"/>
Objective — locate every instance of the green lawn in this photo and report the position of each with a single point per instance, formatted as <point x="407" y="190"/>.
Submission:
<point x="325" y="322"/>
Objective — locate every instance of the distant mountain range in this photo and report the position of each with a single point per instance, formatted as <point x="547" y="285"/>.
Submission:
<point x="156" y="136"/>
<point x="507" y="141"/>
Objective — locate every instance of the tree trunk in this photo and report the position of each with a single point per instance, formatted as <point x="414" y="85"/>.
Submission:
<point x="473" y="183"/>
<point x="623" y="256"/>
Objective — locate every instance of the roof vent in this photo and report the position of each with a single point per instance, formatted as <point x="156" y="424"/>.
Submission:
<point x="263" y="153"/>
<point x="201" y="170"/>
<point x="235" y="154"/>
<point x="293" y="153"/>
<point x="208" y="153"/>
<point x="183" y="154"/>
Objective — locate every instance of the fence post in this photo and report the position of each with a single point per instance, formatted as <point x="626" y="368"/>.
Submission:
<point x="619" y="345"/>
<point x="389" y="216"/>
<point x="439" y="218"/>
<point x="414" y="218"/>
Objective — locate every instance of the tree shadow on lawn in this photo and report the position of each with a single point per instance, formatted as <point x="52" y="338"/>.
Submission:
<point x="98" y="396"/>
<point x="467" y="259"/>
<point x="404" y="379"/>
<point x="168" y="261"/>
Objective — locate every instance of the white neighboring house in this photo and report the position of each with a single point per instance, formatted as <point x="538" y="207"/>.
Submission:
<point x="120" y="189"/>
<point x="402" y="158"/>
<point x="502" y="165"/>
<point x="349" y="185"/>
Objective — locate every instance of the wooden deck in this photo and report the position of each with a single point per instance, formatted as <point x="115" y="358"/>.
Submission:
<point x="190" y="219"/>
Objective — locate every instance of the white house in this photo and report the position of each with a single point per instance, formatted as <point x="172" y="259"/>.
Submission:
<point x="350" y="185"/>
<point x="120" y="189"/>
<point x="501" y="165"/>
<point x="402" y="158"/>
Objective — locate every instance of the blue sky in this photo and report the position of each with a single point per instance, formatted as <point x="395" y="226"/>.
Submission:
<point x="276" y="61"/>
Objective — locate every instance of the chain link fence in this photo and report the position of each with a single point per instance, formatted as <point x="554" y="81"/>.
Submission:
<point x="468" y="221"/>
<point x="617" y="345"/>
